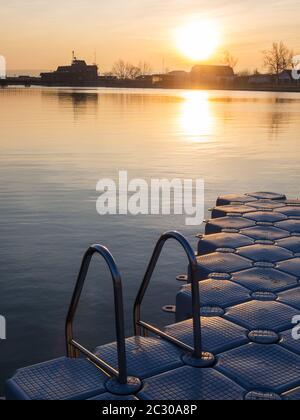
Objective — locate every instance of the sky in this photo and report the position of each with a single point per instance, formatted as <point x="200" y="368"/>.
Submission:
<point x="41" y="34"/>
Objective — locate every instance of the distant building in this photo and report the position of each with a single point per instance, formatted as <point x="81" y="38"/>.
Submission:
<point x="76" y="74"/>
<point x="180" y="74"/>
<point x="212" y="74"/>
<point x="286" y="77"/>
<point x="175" y="79"/>
<point x="159" y="78"/>
<point x="260" y="79"/>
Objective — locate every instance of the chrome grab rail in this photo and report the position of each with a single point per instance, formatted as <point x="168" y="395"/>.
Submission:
<point x="73" y="347"/>
<point x="139" y="324"/>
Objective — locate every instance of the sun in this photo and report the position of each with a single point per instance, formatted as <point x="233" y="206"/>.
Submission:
<point x="198" y="40"/>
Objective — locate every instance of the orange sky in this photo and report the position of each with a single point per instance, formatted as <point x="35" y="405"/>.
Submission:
<point x="40" y="34"/>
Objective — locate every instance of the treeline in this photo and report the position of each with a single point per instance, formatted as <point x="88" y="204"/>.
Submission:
<point x="276" y="59"/>
<point x="126" y="71"/>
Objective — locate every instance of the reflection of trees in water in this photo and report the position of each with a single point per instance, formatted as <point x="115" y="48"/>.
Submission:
<point x="87" y="103"/>
<point x="140" y="99"/>
<point x="84" y="103"/>
<point x="277" y="119"/>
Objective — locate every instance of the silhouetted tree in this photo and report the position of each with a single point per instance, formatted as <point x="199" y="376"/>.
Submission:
<point x="145" y="68"/>
<point x="124" y="70"/>
<point x="133" y="71"/>
<point x="120" y="69"/>
<point x="278" y="58"/>
<point x="229" y="60"/>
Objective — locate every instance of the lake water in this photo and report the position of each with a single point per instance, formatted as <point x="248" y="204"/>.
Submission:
<point x="55" y="144"/>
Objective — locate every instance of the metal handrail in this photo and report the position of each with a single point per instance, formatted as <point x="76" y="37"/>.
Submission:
<point x="139" y="324"/>
<point x="73" y="347"/>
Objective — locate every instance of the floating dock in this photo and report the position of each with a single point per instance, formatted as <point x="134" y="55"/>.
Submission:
<point x="243" y="280"/>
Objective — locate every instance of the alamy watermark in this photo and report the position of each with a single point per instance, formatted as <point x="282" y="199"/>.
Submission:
<point x="2" y="67"/>
<point x="156" y="197"/>
<point x="296" y="329"/>
<point x="296" y="67"/>
<point x="2" y="328"/>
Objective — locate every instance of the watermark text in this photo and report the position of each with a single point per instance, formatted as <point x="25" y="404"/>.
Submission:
<point x="296" y="329"/>
<point x="2" y="328"/>
<point x="296" y="67"/>
<point x="156" y="197"/>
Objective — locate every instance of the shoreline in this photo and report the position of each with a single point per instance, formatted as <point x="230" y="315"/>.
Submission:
<point x="13" y="82"/>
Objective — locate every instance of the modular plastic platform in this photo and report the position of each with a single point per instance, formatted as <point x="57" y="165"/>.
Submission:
<point x="248" y="267"/>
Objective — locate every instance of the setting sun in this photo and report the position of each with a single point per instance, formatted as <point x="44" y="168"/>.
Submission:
<point x="198" y="40"/>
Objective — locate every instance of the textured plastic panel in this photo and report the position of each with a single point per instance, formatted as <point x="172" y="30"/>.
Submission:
<point x="256" y="366"/>
<point x="218" y="335"/>
<point x="266" y="217"/>
<point x="292" y="243"/>
<point x="264" y="279"/>
<point x="60" y="379"/>
<point x="250" y="197"/>
<point x="290" y="211"/>
<point x="289" y="342"/>
<point x="221" y="293"/>
<point x="223" y="211"/>
<point x="220" y="262"/>
<point x="267" y="253"/>
<point x="291" y="266"/>
<point x="292" y="226"/>
<point x="237" y="223"/>
<point x="258" y="315"/>
<point x="225" y="200"/>
<point x="265" y="195"/>
<point x="188" y="383"/>
<point x="291" y="297"/>
<point x="145" y="356"/>
<point x="268" y="233"/>
<point x="211" y="243"/>
<point x="266" y="204"/>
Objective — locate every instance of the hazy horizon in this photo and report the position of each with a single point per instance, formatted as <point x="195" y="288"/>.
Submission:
<point x="37" y="34"/>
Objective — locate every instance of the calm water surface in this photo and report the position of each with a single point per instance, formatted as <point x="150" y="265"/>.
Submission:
<point x="54" y="147"/>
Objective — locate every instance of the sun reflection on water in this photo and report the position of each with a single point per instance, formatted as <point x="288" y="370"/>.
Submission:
<point x="196" y="118"/>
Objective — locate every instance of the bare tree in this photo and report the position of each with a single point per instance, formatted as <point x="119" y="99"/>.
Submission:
<point x="278" y="58"/>
<point x="145" y="68"/>
<point x="229" y="60"/>
<point x="133" y="71"/>
<point x="124" y="70"/>
<point x="120" y="69"/>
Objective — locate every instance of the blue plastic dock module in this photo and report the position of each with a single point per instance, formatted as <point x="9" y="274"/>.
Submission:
<point x="266" y="234"/>
<point x="256" y="367"/>
<point x="60" y="379"/>
<point x="253" y="241"/>
<point x="218" y="334"/>
<point x="189" y="383"/>
<point x="248" y="268"/>
<point x="146" y="357"/>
